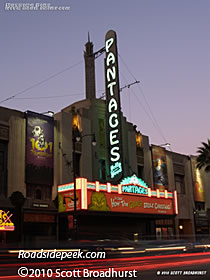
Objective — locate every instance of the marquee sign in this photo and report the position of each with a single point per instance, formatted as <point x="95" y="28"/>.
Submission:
<point x="131" y="196"/>
<point x="113" y="107"/>
<point x="101" y="201"/>
<point x="5" y="222"/>
<point x="134" y="185"/>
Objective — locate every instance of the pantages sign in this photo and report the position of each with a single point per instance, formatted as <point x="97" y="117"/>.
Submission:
<point x="113" y="107"/>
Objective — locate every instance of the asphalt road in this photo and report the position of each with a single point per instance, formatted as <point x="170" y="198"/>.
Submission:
<point x="177" y="266"/>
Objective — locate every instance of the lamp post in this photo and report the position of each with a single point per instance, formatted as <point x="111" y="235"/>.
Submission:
<point x="76" y="137"/>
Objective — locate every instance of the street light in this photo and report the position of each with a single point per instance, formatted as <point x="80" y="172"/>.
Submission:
<point x="165" y="145"/>
<point x="50" y="113"/>
<point x="76" y="137"/>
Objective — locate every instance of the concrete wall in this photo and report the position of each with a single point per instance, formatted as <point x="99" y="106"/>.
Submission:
<point x="148" y="170"/>
<point x="132" y="159"/>
<point x="64" y="148"/>
<point x="170" y="171"/>
<point x="16" y="155"/>
<point x="87" y="155"/>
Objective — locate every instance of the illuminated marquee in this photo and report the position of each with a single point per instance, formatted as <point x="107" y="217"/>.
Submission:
<point x="134" y="185"/>
<point x="5" y="222"/>
<point x="113" y="106"/>
<point x="134" y="189"/>
<point x="94" y="196"/>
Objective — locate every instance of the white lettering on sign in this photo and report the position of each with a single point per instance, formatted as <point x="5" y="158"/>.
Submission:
<point x="110" y="58"/>
<point x="162" y="206"/>
<point x="118" y="202"/>
<point x="148" y="205"/>
<point x="113" y="107"/>
<point x="110" y="87"/>
<point x="113" y="135"/>
<point x="113" y="120"/>
<point x="109" y="42"/>
<point x="115" y="154"/>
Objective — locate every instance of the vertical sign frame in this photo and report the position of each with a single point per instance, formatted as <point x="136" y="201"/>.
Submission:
<point x="113" y="108"/>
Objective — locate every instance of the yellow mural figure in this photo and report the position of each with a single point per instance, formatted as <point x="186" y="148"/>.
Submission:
<point x="199" y="190"/>
<point x="61" y="206"/>
<point x="98" y="202"/>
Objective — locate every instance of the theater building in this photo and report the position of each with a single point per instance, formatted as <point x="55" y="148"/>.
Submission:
<point x="126" y="187"/>
<point x="26" y="178"/>
<point x="121" y="152"/>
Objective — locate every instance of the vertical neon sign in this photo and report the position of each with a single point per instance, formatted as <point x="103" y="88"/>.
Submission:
<point x="113" y="107"/>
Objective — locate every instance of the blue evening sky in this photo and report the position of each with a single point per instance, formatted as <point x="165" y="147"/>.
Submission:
<point x="163" y="43"/>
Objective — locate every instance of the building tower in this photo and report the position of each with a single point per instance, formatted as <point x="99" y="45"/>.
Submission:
<point x="89" y="70"/>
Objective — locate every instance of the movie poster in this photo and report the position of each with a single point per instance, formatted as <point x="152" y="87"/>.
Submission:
<point x="159" y="168"/>
<point x="39" y="149"/>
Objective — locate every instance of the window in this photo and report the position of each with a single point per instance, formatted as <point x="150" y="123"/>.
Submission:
<point x="200" y="206"/>
<point x="38" y="194"/>
<point x="179" y="183"/>
<point x="42" y="192"/>
<point x="3" y="167"/>
<point x="2" y="161"/>
<point x="140" y="171"/>
<point x="102" y="170"/>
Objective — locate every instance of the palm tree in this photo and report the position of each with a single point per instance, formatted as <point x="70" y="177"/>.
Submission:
<point x="203" y="159"/>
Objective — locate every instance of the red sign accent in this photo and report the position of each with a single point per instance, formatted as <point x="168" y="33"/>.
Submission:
<point x="102" y="201"/>
<point x="66" y="201"/>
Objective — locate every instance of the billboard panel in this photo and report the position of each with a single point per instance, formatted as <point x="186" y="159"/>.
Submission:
<point x="159" y="168"/>
<point x="39" y="149"/>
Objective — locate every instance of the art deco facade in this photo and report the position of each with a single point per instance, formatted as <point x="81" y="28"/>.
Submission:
<point x="33" y="200"/>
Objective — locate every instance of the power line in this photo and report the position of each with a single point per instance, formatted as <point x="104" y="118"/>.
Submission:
<point x="126" y="86"/>
<point x="54" y="96"/>
<point x="49" y="97"/>
<point x="41" y="82"/>
<point x="137" y="97"/>
<point x="152" y="117"/>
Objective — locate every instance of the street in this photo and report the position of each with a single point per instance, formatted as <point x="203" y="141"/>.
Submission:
<point x="175" y="266"/>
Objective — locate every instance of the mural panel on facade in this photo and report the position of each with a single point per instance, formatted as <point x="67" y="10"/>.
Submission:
<point x="159" y="168"/>
<point x="39" y="149"/>
<point x="199" y="194"/>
